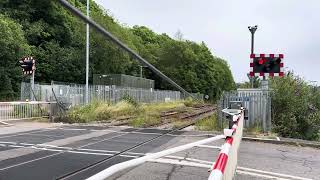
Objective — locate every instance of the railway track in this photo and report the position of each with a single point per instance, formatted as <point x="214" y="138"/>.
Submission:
<point x="203" y="110"/>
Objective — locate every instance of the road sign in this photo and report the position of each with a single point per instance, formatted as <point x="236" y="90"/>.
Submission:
<point x="266" y="65"/>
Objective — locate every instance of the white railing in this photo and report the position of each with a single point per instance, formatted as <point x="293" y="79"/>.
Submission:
<point x="17" y="110"/>
<point x="228" y="149"/>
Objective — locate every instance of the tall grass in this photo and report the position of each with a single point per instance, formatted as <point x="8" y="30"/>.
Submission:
<point x="208" y="124"/>
<point x="142" y="115"/>
<point x="98" y="111"/>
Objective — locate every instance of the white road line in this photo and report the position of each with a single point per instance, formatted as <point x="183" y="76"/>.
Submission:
<point x="97" y="150"/>
<point x="59" y="152"/>
<point x="74" y="129"/>
<point x="26" y="162"/>
<point x="182" y="163"/>
<point x="27" y="144"/>
<point x="260" y="175"/>
<point x="6" y="142"/>
<point x="189" y="159"/>
<point x="17" y="146"/>
<point x="272" y="173"/>
<point x="21" y="133"/>
<point x="79" y="152"/>
<point x="242" y="170"/>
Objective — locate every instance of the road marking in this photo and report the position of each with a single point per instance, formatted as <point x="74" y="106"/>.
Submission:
<point x="242" y="170"/>
<point x="26" y="162"/>
<point x="260" y="175"/>
<point x="59" y="152"/>
<point x="272" y="173"/>
<point x="17" y="146"/>
<point x="27" y="144"/>
<point x="6" y="142"/>
<point x="74" y="129"/>
<point x="182" y="163"/>
<point x="21" y="133"/>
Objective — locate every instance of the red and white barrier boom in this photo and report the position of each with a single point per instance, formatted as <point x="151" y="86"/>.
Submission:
<point x="224" y="167"/>
<point x="226" y="164"/>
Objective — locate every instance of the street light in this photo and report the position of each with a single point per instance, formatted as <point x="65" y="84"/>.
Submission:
<point x="252" y="29"/>
<point x="87" y="57"/>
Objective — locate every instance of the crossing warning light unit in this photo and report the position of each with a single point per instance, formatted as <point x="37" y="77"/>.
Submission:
<point x="266" y="65"/>
<point x="28" y="65"/>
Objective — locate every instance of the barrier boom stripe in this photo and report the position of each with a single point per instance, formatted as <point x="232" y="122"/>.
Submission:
<point x="221" y="163"/>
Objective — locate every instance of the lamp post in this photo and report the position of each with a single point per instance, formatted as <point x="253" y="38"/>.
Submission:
<point x="87" y="56"/>
<point x="252" y="29"/>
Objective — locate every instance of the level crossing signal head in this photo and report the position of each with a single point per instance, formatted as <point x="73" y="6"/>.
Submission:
<point x="28" y="65"/>
<point x="266" y="65"/>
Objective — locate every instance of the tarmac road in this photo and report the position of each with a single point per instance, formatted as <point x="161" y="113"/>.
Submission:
<point x="53" y="152"/>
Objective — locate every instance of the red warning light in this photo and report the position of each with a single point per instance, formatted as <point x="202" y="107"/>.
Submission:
<point x="261" y="61"/>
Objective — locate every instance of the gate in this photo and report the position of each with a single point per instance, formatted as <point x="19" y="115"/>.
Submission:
<point x="258" y="103"/>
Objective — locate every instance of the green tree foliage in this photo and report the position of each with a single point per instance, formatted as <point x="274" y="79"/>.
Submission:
<point x="56" y="39"/>
<point x="13" y="45"/>
<point x="295" y="108"/>
<point x="254" y="81"/>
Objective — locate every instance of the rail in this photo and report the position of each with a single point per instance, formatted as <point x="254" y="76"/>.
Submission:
<point x="224" y="168"/>
<point x="134" y="162"/>
<point x="18" y="110"/>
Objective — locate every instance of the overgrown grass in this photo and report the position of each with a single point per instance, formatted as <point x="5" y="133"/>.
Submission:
<point x="141" y="115"/>
<point x="208" y="124"/>
<point x="144" y="115"/>
<point x="98" y="111"/>
<point x="191" y="102"/>
<point x="150" y="113"/>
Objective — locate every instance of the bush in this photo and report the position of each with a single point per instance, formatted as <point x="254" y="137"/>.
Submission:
<point x="295" y="108"/>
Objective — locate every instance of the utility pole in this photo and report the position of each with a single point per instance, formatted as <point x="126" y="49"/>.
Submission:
<point x="141" y="71"/>
<point x="252" y="29"/>
<point x="87" y="56"/>
<point x="32" y="86"/>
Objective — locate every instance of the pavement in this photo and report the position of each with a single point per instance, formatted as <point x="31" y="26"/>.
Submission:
<point x="55" y="151"/>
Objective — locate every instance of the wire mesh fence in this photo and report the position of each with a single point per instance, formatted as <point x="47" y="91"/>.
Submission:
<point x="74" y="94"/>
<point x="258" y="103"/>
<point x="123" y="80"/>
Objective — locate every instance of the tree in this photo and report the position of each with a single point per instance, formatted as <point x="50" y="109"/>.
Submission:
<point x="13" y="46"/>
<point x="56" y="39"/>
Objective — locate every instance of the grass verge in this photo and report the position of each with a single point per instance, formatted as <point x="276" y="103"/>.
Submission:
<point x="208" y="124"/>
<point x="141" y="115"/>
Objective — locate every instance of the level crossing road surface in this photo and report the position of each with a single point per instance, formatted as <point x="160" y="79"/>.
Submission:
<point x="57" y="152"/>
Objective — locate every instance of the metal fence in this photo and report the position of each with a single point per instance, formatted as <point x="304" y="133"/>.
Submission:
<point x="74" y="94"/>
<point x="26" y="110"/>
<point x="258" y="103"/>
<point x="123" y="80"/>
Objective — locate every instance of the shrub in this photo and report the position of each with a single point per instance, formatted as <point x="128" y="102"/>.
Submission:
<point x="295" y="108"/>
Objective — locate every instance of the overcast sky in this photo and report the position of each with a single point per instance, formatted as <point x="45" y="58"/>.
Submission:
<point x="291" y="27"/>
